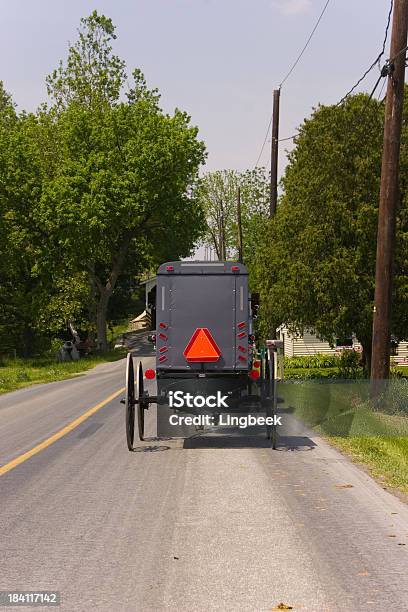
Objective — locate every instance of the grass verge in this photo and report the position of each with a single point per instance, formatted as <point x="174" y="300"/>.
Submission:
<point x="18" y="373"/>
<point x="385" y="457"/>
<point x="375" y="435"/>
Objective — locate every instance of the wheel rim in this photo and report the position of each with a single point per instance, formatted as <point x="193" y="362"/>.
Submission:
<point x="130" y="403"/>
<point x="141" y="404"/>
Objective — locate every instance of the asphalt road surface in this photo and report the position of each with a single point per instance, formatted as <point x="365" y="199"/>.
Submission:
<point x="213" y="523"/>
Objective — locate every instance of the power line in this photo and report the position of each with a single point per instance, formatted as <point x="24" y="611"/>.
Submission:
<point x="306" y="45"/>
<point x="382" y="75"/>
<point x="290" y="72"/>
<point x="264" y="142"/>
<point x="382" y="89"/>
<point x="398" y="54"/>
<point x="288" y="138"/>
<point x="377" y="59"/>
<point x="383" y="72"/>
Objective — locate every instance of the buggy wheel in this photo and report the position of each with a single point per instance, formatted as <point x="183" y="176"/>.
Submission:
<point x="268" y="391"/>
<point x="130" y="402"/>
<point x="142" y="403"/>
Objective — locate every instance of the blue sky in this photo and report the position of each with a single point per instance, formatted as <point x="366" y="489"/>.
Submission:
<point x="217" y="59"/>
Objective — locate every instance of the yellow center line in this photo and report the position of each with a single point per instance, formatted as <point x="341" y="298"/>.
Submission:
<point x="57" y="436"/>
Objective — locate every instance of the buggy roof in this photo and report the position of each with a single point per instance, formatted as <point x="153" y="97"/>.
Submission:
<point x="202" y="267"/>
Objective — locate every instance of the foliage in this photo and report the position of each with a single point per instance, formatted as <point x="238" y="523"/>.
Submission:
<point x="312" y="361"/>
<point x="315" y="263"/>
<point x="218" y="194"/>
<point x="298" y="374"/>
<point x="94" y="189"/>
<point x="92" y="75"/>
<point x="121" y="197"/>
<point x="349" y="364"/>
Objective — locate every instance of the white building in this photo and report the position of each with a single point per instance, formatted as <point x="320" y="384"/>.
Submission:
<point x="309" y="344"/>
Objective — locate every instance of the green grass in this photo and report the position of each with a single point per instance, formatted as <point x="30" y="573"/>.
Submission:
<point x="343" y="413"/>
<point x="18" y="373"/>
<point x="386" y="458"/>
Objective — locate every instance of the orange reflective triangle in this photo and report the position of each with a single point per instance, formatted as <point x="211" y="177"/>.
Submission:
<point x="202" y="347"/>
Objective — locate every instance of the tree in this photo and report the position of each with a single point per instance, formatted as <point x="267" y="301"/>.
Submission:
<point x="120" y="193"/>
<point x="218" y="194"/>
<point x="316" y="260"/>
<point x="38" y="290"/>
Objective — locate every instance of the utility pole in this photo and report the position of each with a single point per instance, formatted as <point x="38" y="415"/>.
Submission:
<point x="274" y="153"/>
<point x="389" y="194"/>
<point x="221" y="234"/>
<point x="239" y="226"/>
<point x="274" y="167"/>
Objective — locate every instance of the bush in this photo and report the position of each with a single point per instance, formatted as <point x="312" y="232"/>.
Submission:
<point x="345" y="365"/>
<point x="312" y="361"/>
<point x="349" y="364"/>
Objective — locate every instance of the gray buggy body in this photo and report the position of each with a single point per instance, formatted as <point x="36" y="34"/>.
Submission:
<point x="202" y="295"/>
<point x="196" y="295"/>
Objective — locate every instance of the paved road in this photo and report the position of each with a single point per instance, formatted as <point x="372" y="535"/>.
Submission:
<point x="211" y="524"/>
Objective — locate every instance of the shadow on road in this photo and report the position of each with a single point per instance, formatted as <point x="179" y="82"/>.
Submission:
<point x="150" y="449"/>
<point x="239" y="440"/>
<point x="295" y="443"/>
<point x="139" y="345"/>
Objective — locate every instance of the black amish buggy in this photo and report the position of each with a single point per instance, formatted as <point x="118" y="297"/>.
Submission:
<point x="205" y="351"/>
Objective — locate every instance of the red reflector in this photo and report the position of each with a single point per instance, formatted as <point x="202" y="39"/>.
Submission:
<point x="254" y="374"/>
<point x="242" y="358"/>
<point x="256" y="364"/>
<point x="163" y="349"/>
<point x="162" y="358"/>
<point x="202" y="347"/>
<point x="242" y="335"/>
<point x="163" y="336"/>
<point x="235" y="268"/>
<point x="163" y="325"/>
<point x="150" y="374"/>
<point x="170" y="268"/>
<point x="242" y="349"/>
<point x="241" y="325"/>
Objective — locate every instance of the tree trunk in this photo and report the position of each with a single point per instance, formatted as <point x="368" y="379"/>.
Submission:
<point x="366" y="356"/>
<point x="101" y="313"/>
<point x="27" y="344"/>
<point x="103" y="291"/>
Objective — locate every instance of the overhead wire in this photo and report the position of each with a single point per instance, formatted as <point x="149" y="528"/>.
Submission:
<point x="264" y="142"/>
<point x="381" y="90"/>
<point x="290" y="72"/>
<point x="384" y="71"/>
<point x="306" y="45"/>
<point x="377" y="59"/>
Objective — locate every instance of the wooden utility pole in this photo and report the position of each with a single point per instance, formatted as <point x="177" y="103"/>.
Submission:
<point x="389" y="194"/>
<point x="222" y="247"/>
<point x="274" y="153"/>
<point x="239" y="226"/>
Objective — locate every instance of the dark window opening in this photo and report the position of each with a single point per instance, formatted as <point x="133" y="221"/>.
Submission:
<point x="348" y="342"/>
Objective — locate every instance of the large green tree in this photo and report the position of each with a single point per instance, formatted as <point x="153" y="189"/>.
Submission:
<point x="38" y="290"/>
<point x="119" y="196"/>
<point x="316" y="260"/>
